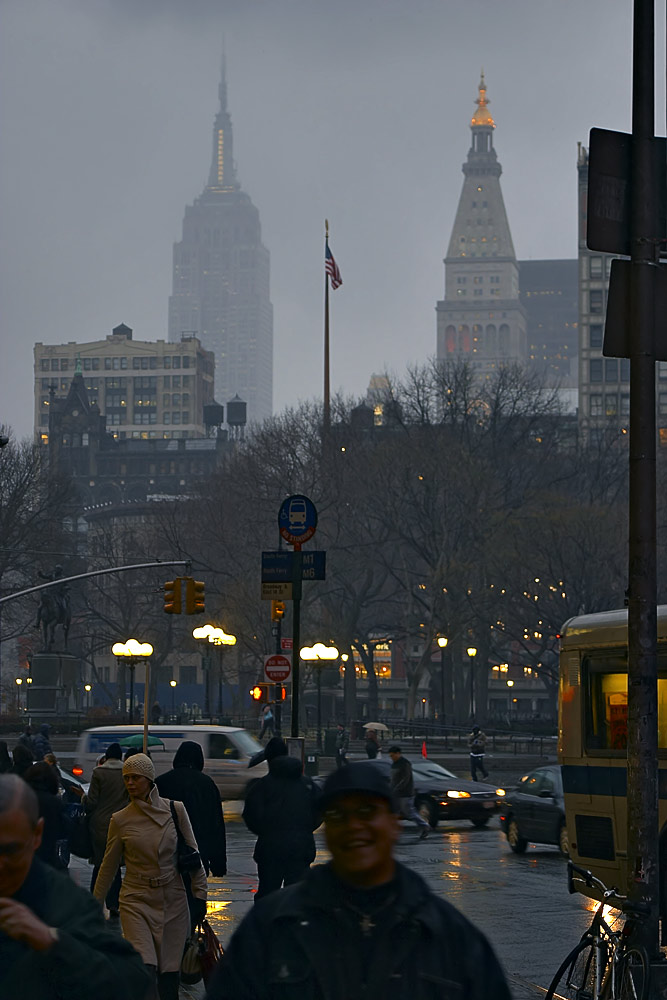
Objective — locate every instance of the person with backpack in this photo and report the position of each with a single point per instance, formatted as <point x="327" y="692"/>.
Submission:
<point x="477" y="745"/>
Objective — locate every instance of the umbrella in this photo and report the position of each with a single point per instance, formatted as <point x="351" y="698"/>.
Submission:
<point x="137" y="740"/>
<point x="377" y="726"/>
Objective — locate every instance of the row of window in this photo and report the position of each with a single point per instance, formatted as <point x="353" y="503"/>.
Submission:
<point x="609" y="405"/>
<point x="148" y="417"/>
<point x="609" y="370"/>
<point x="119" y="363"/>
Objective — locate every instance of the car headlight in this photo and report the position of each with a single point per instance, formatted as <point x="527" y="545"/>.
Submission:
<point x="457" y="795"/>
<point x="500" y="791"/>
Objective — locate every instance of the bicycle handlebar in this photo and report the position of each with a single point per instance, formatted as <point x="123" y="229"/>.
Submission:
<point x="638" y="907"/>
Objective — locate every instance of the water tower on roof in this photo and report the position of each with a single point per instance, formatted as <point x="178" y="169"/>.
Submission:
<point x="237" y="417"/>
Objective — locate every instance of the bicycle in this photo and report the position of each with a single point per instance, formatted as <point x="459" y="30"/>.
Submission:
<point x="605" y="964"/>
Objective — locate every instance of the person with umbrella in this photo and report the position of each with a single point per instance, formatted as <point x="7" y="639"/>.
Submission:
<point x="372" y="744"/>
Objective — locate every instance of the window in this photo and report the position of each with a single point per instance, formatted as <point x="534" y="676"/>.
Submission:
<point x="185" y="417"/>
<point x="64" y="364"/>
<point x="610" y="405"/>
<point x="107" y="364"/>
<point x="595" y="370"/>
<point x="166" y="399"/>
<point x="595" y="301"/>
<point x="144" y="364"/>
<point x="662" y="369"/>
<point x="166" y="363"/>
<point x="175" y="417"/>
<point x="596" y="267"/>
<point x="595" y="404"/>
<point x="54" y="364"/>
<point x="220" y="747"/>
<point x="44" y="364"/>
<point x="175" y="399"/>
<point x="662" y="404"/>
<point x="625" y="369"/>
<point x="176" y="381"/>
<point x="152" y="361"/>
<point x="96" y="364"/>
<point x="175" y="362"/>
<point x="123" y="362"/>
<point x="136" y="362"/>
<point x="595" y="336"/>
<point x="166" y="381"/>
<point x="87" y="364"/>
<point x="625" y="404"/>
<point x="186" y="362"/>
<point x="186" y="381"/>
<point x="611" y="370"/>
<point x="166" y="418"/>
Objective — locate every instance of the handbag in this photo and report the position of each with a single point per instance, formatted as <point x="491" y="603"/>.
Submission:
<point x="212" y="951"/>
<point x="187" y="858"/>
<point x="202" y="953"/>
<point x="80" y="841"/>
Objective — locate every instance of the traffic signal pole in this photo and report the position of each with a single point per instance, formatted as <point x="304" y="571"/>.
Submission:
<point x="642" y="752"/>
<point x="297" y="569"/>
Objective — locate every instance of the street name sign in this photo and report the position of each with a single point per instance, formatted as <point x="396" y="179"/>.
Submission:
<point x="277" y="566"/>
<point x="286" y="643"/>
<point x="277" y="591"/>
<point x="277" y="667"/>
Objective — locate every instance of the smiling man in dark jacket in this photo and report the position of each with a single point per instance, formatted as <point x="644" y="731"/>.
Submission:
<point x="362" y="925"/>
<point x="281" y="809"/>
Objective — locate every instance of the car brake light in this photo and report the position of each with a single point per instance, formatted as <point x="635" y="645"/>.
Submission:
<point x="77" y="771"/>
<point x="502" y="819"/>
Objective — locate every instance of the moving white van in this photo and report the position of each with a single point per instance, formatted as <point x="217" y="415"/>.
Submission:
<point x="227" y="751"/>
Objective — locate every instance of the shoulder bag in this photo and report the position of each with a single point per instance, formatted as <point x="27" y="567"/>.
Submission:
<point x="187" y="858"/>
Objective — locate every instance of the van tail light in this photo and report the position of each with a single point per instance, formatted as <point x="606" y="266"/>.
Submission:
<point x="77" y="771"/>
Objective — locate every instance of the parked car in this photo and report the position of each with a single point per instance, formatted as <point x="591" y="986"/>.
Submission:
<point x="534" y="811"/>
<point x="440" y="795"/>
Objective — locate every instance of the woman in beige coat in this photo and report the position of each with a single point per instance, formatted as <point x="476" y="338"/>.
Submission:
<point x="154" y="912"/>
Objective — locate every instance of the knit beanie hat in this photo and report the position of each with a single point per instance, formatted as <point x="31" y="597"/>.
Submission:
<point x="139" y="763"/>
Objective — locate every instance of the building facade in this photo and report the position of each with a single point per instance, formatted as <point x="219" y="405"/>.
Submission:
<point x="220" y="287"/>
<point x="549" y="293"/>
<point x="481" y="318"/>
<point x="144" y="389"/>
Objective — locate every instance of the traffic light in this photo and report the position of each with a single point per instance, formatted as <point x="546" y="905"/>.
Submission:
<point x="194" y="596"/>
<point x="172" y="596"/>
<point x="260" y="692"/>
<point x="281" y="692"/>
<point x="277" y="611"/>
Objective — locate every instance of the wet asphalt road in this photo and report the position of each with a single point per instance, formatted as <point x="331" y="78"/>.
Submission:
<point x="521" y="902"/>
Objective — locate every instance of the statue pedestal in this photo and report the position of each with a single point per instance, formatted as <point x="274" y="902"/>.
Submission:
<point x="55" y="688"/>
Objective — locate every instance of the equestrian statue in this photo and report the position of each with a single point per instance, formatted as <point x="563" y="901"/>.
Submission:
<point x="54" y="610"/>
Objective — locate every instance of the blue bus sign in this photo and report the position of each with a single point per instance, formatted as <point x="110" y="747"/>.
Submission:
<point x="297" y="519"/>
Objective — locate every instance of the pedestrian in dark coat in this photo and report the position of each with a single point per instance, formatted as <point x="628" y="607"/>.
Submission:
<point x="44" y="783"/>
<point x="5" y="759"/>
<point x="199" y="793"/>
<point x="41" y="743"/>
<point x="106" y="795"/>
<point x="22" y="758"/>
<point x="372" y="744"/>
<point x="281" y="809"/>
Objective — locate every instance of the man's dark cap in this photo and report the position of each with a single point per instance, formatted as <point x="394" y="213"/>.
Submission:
<point x="394" y="749"/>
<point x="274" y="748"/>
<point x="475" y="729"/>
<point x="358" y="778"/>
<point x="114" y="752"/>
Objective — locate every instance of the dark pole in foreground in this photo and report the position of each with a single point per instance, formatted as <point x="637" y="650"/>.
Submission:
<point x="642" y="770"/>
<point x="297" y="565"/>
<point x="326" y="414"/>
<point x="318" y="667"/>
<point x="131" y="665"/>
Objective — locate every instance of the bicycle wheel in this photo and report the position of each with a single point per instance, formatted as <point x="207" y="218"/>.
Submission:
<point x="632" y="975"/>
<point x="575" y="979"/>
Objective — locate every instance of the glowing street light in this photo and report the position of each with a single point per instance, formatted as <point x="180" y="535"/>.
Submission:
<point x="217" y="637"/>
<point x="172" y="685"/>
<point x="319" y="652"/>
<point x="88" y="688"/>
<point x="472" y="653"/>
<point x="133" y="652"/>
<point x="442" y="642"/>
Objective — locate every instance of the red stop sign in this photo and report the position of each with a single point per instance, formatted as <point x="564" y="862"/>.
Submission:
<point x="277" y="667"/>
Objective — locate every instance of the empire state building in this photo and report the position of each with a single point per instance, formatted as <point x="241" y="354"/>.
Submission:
<point x="220" y="288"/>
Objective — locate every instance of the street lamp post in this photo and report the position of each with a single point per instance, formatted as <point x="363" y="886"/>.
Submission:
<point x="423" y="708"/>
<point x="172" y="685"/>
<point x="472" y="653"/>
<point x="442" y="642"/>
<point x="217" y="636"/>
<point x="133" y="652"/>
<point x="88" y="688"/>
<point x="28" y="689"/>
<point x="19" y="682"/>
<point x="317" y="653"/>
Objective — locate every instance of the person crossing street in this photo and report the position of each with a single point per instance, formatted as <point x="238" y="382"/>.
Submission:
<point x="403" y="785"/>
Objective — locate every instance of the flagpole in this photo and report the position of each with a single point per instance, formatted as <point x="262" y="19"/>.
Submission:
<point x="327" y="394"/>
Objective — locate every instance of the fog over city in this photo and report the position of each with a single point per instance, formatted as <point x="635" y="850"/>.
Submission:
<point x="357" y="111"/>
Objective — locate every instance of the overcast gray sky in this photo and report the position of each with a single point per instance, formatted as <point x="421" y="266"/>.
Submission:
<point x="355" y="110"/>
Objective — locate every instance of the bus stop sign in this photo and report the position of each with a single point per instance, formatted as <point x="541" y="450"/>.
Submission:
<point x="297" y="519"/>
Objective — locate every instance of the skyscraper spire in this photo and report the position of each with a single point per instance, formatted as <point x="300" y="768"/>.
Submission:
<point x="222" y="176"/>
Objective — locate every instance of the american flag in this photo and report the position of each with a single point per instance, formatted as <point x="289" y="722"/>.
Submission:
<point x="331" y="268"/>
